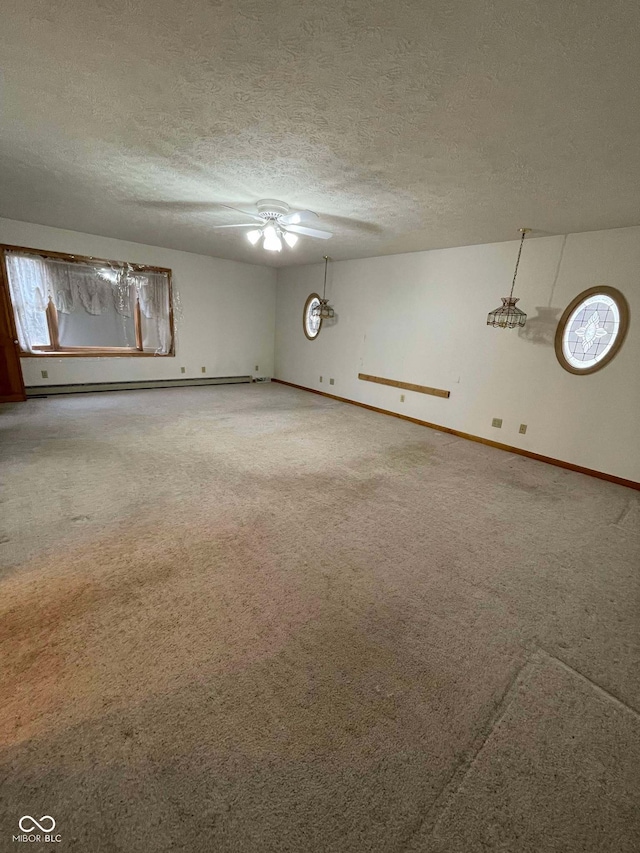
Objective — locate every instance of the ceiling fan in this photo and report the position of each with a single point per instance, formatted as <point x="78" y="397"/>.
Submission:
<point x="274" y="221"/>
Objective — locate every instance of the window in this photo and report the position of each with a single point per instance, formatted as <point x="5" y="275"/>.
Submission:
<point x="66" y="305"/>
<point x="591" y="330"/>
<point x="311" y="324"/>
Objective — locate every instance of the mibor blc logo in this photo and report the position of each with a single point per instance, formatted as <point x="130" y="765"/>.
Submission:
<point x="37" y="830"/>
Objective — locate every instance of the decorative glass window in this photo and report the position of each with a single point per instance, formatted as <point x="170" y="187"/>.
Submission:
<point x="592" y="330"/>
<point x="66" y="305"/>
<point x="311" y="324"/>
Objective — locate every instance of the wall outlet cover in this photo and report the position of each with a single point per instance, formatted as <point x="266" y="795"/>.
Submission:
<point x="402" y="398"/>
<point x="183" y="370"/>
<point x="204" y="369"/>
<point x="321" y="379"/>
<point x="523" y="429"/>
<point x="45" y="374"/>
<point x="331" y="382"/>
<point x="497" y="422"/>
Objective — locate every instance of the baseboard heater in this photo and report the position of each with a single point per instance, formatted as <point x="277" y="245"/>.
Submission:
<point x="135" y="385"/>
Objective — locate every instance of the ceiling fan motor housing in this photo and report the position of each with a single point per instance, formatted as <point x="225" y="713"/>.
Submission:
<point x="270" y="209"/>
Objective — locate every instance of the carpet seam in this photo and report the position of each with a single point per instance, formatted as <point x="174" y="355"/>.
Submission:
<point x="593" y="684"/>
<point x="626" y="512"/>
<point x="459" y="773"/>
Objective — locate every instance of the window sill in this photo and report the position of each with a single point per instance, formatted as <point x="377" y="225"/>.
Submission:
<point x="98" y="354"/>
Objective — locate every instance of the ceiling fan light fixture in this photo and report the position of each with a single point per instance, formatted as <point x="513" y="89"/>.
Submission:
<point x="275" y="224"/>
<point x="272" y="243"/>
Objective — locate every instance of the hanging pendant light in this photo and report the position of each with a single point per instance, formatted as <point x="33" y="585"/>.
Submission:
<point x="508" y="316"/>
<point x="323" y="310"/>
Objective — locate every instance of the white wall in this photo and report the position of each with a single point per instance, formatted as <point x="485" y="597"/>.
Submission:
<point x="224" y="312"/>
<point x="421" y="318"/>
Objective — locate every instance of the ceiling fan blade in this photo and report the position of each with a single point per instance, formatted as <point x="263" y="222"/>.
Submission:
<point x="237" y="225"/>
<point x="309" y="232"/>
<point x="298" y="216"/>
<point x="250" y="213"/>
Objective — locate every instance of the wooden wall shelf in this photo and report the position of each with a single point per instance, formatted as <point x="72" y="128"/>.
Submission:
<point x="407" y="386"/>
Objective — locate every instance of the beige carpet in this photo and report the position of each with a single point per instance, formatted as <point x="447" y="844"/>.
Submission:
<point x="248" y="618"/>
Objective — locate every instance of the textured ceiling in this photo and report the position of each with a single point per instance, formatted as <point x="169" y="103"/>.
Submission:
<point x="406" y="125"/>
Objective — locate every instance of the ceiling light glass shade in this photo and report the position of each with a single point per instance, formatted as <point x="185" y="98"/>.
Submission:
<point x="507" y="316"/>
<point x="323" y="310"/>
<point x="273" y="244"/>
<point x="290" y="239"/>
<point x="254" y="236"/>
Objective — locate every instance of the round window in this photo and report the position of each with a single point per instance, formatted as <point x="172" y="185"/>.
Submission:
<point x="311" y="324"/>
<point x="592" y="330"/>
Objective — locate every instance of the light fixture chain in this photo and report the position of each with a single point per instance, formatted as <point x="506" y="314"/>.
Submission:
<point x="515" y="273"/>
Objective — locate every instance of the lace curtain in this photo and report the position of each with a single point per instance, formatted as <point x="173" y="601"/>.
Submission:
<point x="93" y="288"/>
<point x="28" y="282"/>
<point x="153" y="293"/>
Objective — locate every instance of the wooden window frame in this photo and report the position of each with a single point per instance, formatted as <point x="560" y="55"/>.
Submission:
<point x="54" y="350"/>
<point x="623" y="308"/>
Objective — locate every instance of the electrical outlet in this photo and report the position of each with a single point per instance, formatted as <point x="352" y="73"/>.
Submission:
<point x="523" y="429"/>
<point x="497" y="422"/>
<point x="204" y="369"/>
<point x="321" y="379"/>
<point x="183" y="370"/>
<point x="331" y="382"/>
<point x="402" y="398"/>
<point x="257" y="367"/>
<point x="45" y="374"/>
